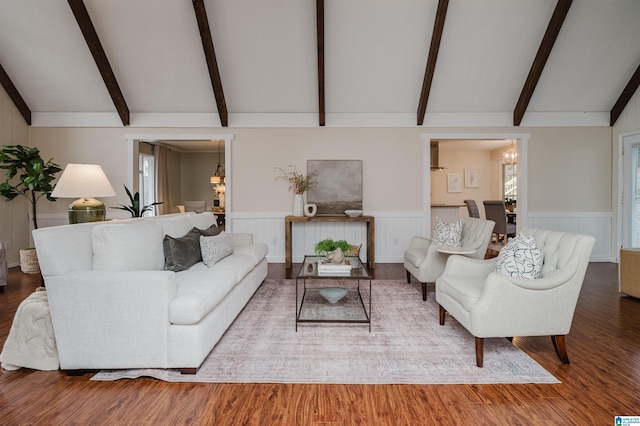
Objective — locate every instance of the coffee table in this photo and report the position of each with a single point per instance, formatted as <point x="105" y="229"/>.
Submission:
<point x="312" y="307"/>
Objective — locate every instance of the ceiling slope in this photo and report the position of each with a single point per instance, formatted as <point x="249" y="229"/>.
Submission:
<point x="367" y="68"/>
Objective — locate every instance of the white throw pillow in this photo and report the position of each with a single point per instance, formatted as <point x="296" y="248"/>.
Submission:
<point x="520" y="258"/>
<point x="135" y="246"/>
<point x="215" y="248"/>
<point x="447" y="234"/>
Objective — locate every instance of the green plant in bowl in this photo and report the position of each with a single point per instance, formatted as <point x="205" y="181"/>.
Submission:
<point x="327" y="245"/>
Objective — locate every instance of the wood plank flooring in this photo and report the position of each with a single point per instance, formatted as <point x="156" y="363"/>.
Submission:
<point x="602" y="381"/>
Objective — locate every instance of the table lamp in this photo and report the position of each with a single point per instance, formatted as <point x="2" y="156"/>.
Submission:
<point x="85" y="181"/>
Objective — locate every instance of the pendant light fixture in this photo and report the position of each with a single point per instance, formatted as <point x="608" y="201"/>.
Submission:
<point x="510" y="156"/>
<point x="218" y="176"/>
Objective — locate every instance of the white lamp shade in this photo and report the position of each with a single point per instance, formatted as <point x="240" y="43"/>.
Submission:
<point x="83" y="180"/>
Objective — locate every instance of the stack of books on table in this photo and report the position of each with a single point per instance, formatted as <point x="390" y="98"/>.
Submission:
<point x="328" y="268"/>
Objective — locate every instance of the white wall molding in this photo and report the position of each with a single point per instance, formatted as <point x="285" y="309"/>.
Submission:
<point x="310" y="119"/>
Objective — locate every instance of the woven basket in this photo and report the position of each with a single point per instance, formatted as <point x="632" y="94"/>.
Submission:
<point x="354" y="251"/>
<point x="29" y="261"/>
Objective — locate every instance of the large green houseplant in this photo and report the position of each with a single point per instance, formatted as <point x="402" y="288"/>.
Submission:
<point x="27" y="174"/>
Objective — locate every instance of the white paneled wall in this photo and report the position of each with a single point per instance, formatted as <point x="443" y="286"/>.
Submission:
<point x="597" y="224"/>
<point x="393" y="231"/>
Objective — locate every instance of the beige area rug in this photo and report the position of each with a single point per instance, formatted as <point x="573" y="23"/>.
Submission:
<point x="406" y="345"/>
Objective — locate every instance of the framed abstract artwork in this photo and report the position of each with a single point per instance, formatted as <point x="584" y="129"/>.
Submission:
<point x="338" y="187"/>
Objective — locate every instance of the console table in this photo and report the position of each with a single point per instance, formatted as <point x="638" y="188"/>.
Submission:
<point x="369" y="220"/>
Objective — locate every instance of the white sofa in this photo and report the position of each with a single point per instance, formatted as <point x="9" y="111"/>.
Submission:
<point x="114" y="306"/>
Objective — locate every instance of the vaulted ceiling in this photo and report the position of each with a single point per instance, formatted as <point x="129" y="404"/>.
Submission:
<point x="309" y="63"/>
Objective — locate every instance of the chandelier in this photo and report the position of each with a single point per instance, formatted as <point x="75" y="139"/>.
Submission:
<point x="510" y="156"/>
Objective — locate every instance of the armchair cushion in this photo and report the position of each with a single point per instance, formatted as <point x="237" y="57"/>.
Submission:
<point x="520" y="258"/>
<point x="447" y="234"/>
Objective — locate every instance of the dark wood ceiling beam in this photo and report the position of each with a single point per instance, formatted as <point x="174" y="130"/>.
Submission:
<point x="549" y="39"/>
<point x="95" y="47"/>
<point x="625" y="97"/>
<point x="436" y="37"/>
<point x="320" y="43"/>
<point x="212" y="63"/>
<point x="13" y="93"/>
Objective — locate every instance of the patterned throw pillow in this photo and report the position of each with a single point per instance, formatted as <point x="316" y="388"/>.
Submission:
<point x="447" y="234"/>
<point x="520" y="258"/>
<point x="215" y="248"/>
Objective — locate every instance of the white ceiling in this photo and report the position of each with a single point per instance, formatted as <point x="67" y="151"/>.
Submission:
<point x="375" y="56"/>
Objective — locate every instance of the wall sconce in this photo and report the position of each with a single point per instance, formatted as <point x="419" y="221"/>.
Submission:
<point x="85" y="181"/>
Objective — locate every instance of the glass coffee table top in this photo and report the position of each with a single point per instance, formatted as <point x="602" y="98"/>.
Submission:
<point x="309" y="269"/>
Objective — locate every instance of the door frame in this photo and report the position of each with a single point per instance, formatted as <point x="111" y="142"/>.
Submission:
<point x="623" y="140"/>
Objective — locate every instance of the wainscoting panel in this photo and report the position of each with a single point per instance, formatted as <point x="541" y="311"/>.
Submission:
<point x="393" y="231"/>
<point x="597" y="224"/>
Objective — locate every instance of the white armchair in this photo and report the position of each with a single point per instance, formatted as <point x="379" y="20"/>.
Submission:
<point x="426" y="263"/>
<point x="490" y="304"/>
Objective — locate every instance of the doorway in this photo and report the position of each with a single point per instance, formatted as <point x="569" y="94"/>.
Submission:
<point x="521" y="143"/>
<point x="630" y="196"/>
<point x="190" y="145"/>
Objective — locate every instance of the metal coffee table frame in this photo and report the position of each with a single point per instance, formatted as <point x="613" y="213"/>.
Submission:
<point x="313" y="308"/>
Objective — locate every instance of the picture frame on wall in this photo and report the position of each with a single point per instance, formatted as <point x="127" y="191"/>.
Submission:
<point x="338" y="186"/>
<point x="471" y="178"/>
<point x="454" y="182"/>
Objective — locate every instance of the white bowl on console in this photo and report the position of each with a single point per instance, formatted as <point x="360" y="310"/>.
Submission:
<point x="353" y="213"/>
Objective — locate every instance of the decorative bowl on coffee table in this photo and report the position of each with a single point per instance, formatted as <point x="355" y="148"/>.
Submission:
<point x="333" y="294"/>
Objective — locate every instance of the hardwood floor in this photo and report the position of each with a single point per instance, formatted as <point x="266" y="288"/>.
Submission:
<point x="602" y="381"/>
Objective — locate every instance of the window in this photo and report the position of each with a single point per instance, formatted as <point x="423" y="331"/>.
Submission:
<point x="147" y="181"/>
<point x="510" y="181"/>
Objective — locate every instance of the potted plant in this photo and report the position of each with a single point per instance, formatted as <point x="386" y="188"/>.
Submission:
<point x="328" y="245"/>
<point x="510" y="203"/>
<point x="298" y="183"/>
<point x="27" y="174"/>
<point x="134" y="208"/>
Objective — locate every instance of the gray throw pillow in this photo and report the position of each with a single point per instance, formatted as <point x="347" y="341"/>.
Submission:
<point x="211" y="231"/>
<point x="182" y="253"/>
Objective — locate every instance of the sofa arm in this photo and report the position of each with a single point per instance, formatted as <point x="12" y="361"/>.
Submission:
<point x="241" y="239"/>
<point x="97" y="314"/>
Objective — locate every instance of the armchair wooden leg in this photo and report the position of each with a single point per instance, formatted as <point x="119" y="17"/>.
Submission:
<point x="561" y="348"/>
<point x="424" y="291"/>
<point x="479" y="351"/>
<point x="442" y="314"/>
<point x="408" y="277"/>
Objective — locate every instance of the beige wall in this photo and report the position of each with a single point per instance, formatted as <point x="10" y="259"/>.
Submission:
<point x="569" y="168"/>
<point x="196" y="169"/>
<point x="14" y="224"/>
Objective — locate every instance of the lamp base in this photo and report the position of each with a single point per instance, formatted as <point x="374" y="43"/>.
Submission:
<point x="87" y="209"/>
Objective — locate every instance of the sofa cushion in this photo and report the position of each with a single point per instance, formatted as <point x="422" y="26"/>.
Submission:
<point x="239" y="264"/>
<point x="182" y="253"/>
<point x="175" y="225"/>
<point x="256" y="251"/>
<point x="447" y="234"/>
<point x="215" y="248"/>
<point x="133" y="246"/>
<point x="198" y="292"/>
<point x="520" y="258"/>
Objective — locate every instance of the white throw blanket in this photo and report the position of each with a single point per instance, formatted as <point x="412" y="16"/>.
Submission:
<point x="31" y="342"/>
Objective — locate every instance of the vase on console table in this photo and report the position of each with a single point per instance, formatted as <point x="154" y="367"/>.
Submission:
<point x="298" y="205"/>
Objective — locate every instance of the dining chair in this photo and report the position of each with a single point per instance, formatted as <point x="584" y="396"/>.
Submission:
<point x="496" y="211"/>
<point x="472" y="207"/>
<point x="195" y="206"/>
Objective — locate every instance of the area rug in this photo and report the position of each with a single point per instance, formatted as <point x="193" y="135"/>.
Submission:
<point x="406" y="345"/>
